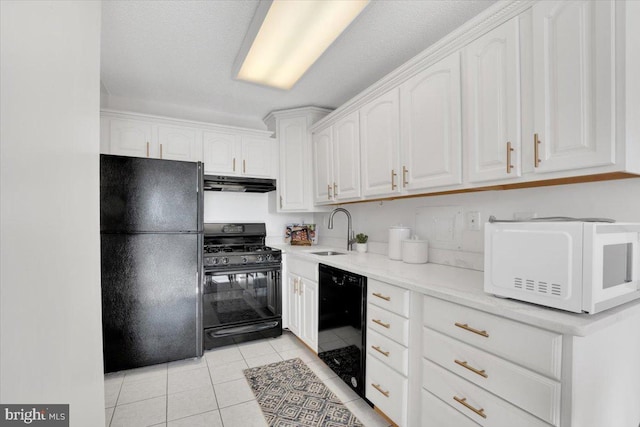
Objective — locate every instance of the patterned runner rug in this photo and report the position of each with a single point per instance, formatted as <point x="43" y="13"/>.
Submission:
<point x="291" y="395"/>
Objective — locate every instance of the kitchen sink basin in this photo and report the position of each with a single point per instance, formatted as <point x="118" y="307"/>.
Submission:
<point x="327" y="253"/>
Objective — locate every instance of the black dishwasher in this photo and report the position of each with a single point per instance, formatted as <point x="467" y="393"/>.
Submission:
<point x="341" y="324"/>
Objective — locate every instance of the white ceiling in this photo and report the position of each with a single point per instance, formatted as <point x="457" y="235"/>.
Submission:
<point x="175" y="58"/>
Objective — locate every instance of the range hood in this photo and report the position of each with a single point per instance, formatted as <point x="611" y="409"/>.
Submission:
<point x="238" y="184"/>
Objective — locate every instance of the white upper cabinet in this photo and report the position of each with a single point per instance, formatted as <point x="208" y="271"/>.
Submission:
<point x="296" y="186"/>
<point x="336" y="161"/>
<point x="491" y="93"/>
<point x="430" y="129"/>
<point x="221" y="153"/>
<point x="346" y="158"/>
<point x="130" y="138"/>
<point x="323" y="173"/>
<point x="379" y="138"/>
<point x="573" y="63"/>
<point x="292" y="133"/>
<point x="224" y="150"/>
<point x="177" y="143"/>
<point x="232" y="154"/>
<point x="256" y="156"/>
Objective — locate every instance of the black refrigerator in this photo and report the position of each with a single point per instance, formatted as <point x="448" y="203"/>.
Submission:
<point x="151" y="236"/>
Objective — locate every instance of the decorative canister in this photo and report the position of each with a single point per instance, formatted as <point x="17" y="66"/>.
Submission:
<point x="415" y="251"/>
<point x="397" y="234"/>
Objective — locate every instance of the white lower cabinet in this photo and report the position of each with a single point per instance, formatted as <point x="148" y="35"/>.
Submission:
<point x="387" y="370"/>
<point x="387" y="390"/>
<point x="472" y="401"/>
<point x="473" y="361"/>
<point x="302" y="300"/>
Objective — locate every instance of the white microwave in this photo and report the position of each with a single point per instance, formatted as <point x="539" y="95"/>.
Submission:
<point x="574" y="266"/>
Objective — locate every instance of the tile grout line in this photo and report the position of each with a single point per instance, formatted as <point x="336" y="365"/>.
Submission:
<point x="213" y="387"/>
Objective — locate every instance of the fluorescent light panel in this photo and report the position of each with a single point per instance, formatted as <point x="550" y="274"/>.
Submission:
<point x="292" y="37"/>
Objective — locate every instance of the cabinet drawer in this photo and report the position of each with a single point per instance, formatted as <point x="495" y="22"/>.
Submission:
<point x="389" y="297"/>
<point x="304" y="268"/>
<point x="526" y="345"/>
<point x="387" y="389"/>
<point x="532" y="392"/>
<point x="387" y="351"/>
<point x="388" y="324"/>
<point x="436" y="413"/>
<point x="495" y="411"/>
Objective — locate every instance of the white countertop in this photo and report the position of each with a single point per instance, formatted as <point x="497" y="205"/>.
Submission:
<point x="463" y="287"/>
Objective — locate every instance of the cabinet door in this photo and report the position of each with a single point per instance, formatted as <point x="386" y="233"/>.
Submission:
<point x="292" y="136"/>
<point x="309" y="313"/>
<point x="130" y="138"/>
<point x="323" y="174"/>
<point x="379" y="145"/>
<point x="221" y="153"/>
<point x="178" y="144"/>
<point x="293" y="302"/>
<point x="346" y="158"/>
<point x="573" y="81"/>
<point x="431" y="133"/>
<point x="256" y="156"/>
<point x="491" y="95"/>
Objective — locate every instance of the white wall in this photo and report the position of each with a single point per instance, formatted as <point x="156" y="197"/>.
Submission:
<point x="619" y="200"/>
<point x="50" y="317"/>
<point x="250" y="207"/>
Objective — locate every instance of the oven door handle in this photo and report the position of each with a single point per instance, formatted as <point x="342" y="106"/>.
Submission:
<point x="242" y="329"/>
<point x="248" y="269"/>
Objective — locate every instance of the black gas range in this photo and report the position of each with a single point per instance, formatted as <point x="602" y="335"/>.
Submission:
<point x="242" y="284"/>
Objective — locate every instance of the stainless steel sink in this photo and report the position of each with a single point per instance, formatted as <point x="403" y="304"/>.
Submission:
<point x="328" y="253"/>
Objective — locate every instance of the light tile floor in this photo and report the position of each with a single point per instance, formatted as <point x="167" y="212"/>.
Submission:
<point x="212" y="391"/>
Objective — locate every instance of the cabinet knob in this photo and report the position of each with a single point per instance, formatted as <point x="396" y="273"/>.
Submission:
<point x="463" y="402"/>
<point x="465" y="365"/>
<point x="377" y="387"/>
<point x="466" y="327"/>
<point x="404" y="176"/>
<point x="393" y="179"/>
<point x="509" y="151"/>
<point x="234" y="164"/>
<point x="147" y="148"/>
<point x="244" y="166"/>
<point x="381" y="323"/>
<point x="536" y="150"/>
<point x="160" y="150"/>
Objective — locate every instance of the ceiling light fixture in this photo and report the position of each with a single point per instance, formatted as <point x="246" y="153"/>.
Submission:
<point x="293" y="34"/>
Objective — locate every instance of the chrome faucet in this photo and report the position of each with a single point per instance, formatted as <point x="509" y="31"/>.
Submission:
<point x="350" y="236"/>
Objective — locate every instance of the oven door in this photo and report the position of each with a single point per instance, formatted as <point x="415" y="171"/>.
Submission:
<point x="241" y="304"/>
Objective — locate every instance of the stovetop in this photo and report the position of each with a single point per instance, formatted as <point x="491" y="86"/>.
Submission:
<point x="237" y="244"/>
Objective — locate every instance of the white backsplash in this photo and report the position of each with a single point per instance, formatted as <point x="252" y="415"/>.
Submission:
<point x="619" y="200"/>
<point x="250" y="207"/>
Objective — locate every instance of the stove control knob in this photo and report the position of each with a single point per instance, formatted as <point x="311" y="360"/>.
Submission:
<point x="215" y="261"/>
<point x="260" y="258"/>
<point x="269" y="257"/>
<point x="225" y="260"/>
<point x="244" y="259"/>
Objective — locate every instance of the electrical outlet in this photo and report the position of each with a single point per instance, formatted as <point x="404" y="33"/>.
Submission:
<point x="473" y="221"/>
